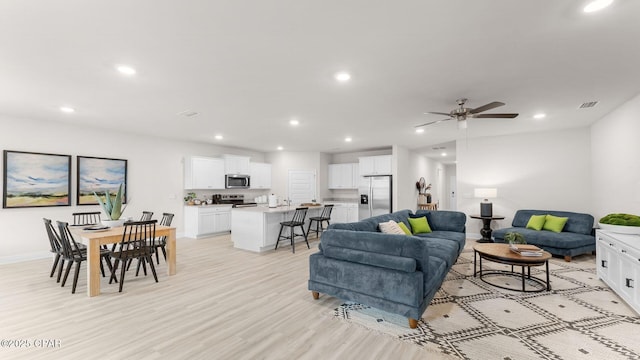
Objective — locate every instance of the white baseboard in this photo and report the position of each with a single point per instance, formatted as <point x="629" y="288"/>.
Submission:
<point x="25" y="257"/>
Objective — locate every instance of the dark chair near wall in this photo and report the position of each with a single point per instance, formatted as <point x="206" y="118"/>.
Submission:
<point x="138" y="241"/>
<point x="72" y="253"/>
<point x="56" y="247"/>
<point x="146" y="216"/>
<point x="296" y="221"/>
<point x="161" y="242"/>
<point x="86" y="218"/>
<point x="325" y="216"/>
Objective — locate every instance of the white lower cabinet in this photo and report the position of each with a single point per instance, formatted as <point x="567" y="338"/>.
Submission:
<point x="618" y="264"/>
<point x="200" y="221"/>
<point x="343" y="212"/>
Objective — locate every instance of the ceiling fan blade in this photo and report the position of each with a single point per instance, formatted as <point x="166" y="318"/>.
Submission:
<point x="486" y="107"/>
<point x="496" y="116"/>
<point x="433" y="122"/>
<point x="438" y="113"/>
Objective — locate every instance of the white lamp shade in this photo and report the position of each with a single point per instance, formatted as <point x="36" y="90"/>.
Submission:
<point x="485" y="193"/>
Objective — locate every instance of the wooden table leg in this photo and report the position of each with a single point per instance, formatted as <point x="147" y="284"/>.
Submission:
<point x="93" y="268"/>
<point x="171" y="252"/>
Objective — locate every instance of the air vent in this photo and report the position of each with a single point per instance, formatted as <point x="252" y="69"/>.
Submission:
<point x="188" y="113"/>
<point x="589" y="104"/>
<point x="439" y="147"/>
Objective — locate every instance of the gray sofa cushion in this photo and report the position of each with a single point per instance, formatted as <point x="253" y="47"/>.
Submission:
<point x="562" y="240"/>
<point x="371" y="224"/>
<point x="370" y="258"/>
<point x="458" y="238"/>
<point x="443" y="220"/>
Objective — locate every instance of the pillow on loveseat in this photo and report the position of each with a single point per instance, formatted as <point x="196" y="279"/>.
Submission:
<point x="391" y="227"/>
<point x="536" y="222"/>
<point x="419" y="225"/>
<point x="554" y="223"/>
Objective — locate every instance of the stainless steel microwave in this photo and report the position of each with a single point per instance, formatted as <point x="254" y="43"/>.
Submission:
<point x="237" y="181"/>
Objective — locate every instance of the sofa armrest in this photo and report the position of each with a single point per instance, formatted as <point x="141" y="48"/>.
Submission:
<point x="374" y="242"/>
<point x="370" y="258"/>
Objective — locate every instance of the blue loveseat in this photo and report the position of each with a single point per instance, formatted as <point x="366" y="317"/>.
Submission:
<point x="577" y="237"/>
<point x="399" y="274"/>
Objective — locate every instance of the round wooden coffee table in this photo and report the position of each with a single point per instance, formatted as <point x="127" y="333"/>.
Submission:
<point x="500" y="253"/>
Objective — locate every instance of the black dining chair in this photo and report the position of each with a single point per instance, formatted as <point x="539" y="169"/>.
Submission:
<point x="72" y="253"/>
<point x="56" y="247"/>
<point x="320" y="220"/>
<point x="146" y="216"/>
<point x="86" y="218"/>
<point x="296" y="221"/>
<point x="138" y="239"/>
<point x="161" y="242"/>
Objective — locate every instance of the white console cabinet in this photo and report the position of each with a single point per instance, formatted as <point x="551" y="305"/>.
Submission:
<point x="618" y="264"/>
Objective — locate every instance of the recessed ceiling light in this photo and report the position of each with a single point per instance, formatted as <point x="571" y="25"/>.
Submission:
<point x="419" y="131"/>
<point x="597" y="5"/>
<point x="280" y="148"/>
<point x="539" y="116"/>
<point x="67" y="109"/>
<point x="343" y="76"/>
<point x="294" y="122"/>
<point x="347" y="139"/>
<point x="444" y="154"/>
<point x="218" y="137"/>
<point x="125" y="69"/>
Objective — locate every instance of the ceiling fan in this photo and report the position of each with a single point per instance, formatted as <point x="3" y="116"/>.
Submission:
<point x="462" y="113"/>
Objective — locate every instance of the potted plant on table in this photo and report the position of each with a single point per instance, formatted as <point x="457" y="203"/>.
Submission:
<point x="112" y="208"/>
<point x="514" y="238"/>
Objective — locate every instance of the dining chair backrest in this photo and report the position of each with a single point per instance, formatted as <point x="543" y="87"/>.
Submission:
<point x="86" y="218"/>
<point x="146" y="215"/>
<point x="138" y="237"/>
<point x="299" y="215"/>
<point x="166" y="220"/>
<point x="70" y="247"/>
<point x="54" y="238"/>
<point x="326" y="211"/>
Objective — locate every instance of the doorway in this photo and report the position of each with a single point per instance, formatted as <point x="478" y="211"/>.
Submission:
<point x="302" y="186"/>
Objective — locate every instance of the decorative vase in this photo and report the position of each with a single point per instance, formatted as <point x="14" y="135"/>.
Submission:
<point x="113" y="223"/>
<point x="428" y="198"/>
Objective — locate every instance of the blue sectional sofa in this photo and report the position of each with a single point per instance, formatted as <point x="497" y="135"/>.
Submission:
<point x="577" y="237"/>
<point x="399" y="274"/>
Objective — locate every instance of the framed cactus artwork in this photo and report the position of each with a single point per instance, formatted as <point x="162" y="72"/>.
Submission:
<point x="99" y="175"/>
<point x="36" y="179"/>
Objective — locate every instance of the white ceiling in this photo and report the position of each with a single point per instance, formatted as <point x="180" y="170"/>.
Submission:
<point x="248" y="67"/>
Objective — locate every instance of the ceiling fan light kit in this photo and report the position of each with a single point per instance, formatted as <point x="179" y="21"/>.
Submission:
<point x="461" y="114"/>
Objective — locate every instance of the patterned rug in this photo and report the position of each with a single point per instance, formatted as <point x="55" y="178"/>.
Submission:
<point x="470" y="319"/>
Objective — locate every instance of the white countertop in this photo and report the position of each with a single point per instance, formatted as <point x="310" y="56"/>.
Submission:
<point x="206" y="206"/>
<point x="267" y="210"/>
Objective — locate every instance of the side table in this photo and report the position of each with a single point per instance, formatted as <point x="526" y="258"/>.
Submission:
<point x="486" y="226"/>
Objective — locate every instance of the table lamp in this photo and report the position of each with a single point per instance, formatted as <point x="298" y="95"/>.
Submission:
<point x="486" y="208"/>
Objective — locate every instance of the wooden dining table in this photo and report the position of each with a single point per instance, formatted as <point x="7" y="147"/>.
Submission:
<point x="95" y="239"/>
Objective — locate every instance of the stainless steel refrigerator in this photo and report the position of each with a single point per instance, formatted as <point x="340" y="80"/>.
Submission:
<point x="375" y="196"/>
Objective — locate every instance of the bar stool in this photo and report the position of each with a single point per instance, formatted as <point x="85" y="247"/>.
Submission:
<point x="298" y="220"/>
<point x="325" y="216"/>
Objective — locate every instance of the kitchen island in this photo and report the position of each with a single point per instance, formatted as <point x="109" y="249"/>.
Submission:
<point x="256" y="228"/>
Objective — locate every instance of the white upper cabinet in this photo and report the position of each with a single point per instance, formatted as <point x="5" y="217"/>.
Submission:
<point x="236" y="164"/>
<point x="343" y="176"/>
<point x="203" y="173"/>
<point x="260" y="175"/>
<point x="375" y="165"/>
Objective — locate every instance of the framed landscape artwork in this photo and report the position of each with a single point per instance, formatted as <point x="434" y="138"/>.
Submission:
<point x="98" y="175"/>
<point x="36" y="180"/>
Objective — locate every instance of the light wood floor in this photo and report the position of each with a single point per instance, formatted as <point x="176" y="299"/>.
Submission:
<point x="223" y="303"/>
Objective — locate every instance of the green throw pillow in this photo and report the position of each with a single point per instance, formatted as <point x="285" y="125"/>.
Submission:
<point x="536" y="222"/>
<point x="554" y="223"/>
<point x="404" y="228"/>
<point x="419" y="225"/>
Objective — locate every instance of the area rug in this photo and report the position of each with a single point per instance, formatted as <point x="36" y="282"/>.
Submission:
<point x="470" y="319"/>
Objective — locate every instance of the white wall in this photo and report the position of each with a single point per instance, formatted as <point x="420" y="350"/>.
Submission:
<point x="410" y="168"/>
<point x="283" y="161"/>
<point x="546" y="170"/>
<point x="155" y="176"/>
<point x="616" y="168"/>
<point x="446" y="201"/>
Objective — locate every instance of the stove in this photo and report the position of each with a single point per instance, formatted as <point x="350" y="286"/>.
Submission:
<point x="236" y="200"/>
